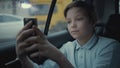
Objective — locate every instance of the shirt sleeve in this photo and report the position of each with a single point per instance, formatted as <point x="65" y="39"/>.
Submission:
<point x="50" y="63"/>
<point x="47" y="64"/>
<point x="66" y="47"/>
<point x="116" y="58"/>
<point x="103" y="59"/>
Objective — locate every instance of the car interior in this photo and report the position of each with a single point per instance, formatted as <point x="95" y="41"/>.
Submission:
<point x="108" y="25"/>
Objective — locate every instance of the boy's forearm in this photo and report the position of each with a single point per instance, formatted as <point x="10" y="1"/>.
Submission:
<point x="27" y="63"/>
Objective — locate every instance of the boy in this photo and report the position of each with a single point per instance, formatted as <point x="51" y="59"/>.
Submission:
<point x="87" y="50"/>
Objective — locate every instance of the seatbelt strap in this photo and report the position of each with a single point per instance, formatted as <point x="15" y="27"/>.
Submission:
<point x="49" y="17"/>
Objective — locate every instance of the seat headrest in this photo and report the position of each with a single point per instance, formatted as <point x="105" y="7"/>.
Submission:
<point x="113" y="27"/>
<point x="114" y="20"/>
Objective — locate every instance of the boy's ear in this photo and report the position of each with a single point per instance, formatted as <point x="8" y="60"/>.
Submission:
<point x="94" y="24"/>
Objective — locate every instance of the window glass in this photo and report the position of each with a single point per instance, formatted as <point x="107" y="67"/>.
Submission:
<point x="12" y="13"/>
<point x="8" y="19"/>
<point x="40" y="9"/>
<point x="1" y="19"/>
<point x="58" y="21"/>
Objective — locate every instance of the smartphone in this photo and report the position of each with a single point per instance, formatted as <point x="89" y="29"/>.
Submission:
<point x="27" y="20"/>
<point x="34" y="22"/>
<point x="36" y="59"/>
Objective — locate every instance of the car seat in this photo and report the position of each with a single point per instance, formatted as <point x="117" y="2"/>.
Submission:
<point x="112" y="28"/>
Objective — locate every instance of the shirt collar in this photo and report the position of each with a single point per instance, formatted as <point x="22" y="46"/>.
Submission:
<point x="93" y="40"/>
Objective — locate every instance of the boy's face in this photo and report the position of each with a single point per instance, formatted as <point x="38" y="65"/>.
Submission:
<point x="78" y="23"/>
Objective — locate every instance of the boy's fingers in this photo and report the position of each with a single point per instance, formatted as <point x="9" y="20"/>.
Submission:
<point x="27" y="26"/>
<point x="23" y="35"/>
<point x="38" y="32"/>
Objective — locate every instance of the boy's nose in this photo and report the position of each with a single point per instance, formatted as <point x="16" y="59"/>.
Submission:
<point x="73" y="24"/>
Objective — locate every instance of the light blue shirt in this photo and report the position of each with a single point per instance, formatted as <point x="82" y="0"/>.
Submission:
<point x="96" y="53"/>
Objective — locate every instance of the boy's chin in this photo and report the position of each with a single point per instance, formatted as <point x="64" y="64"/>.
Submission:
<point x="75" y="37"/>
<point x="78" y="37"/>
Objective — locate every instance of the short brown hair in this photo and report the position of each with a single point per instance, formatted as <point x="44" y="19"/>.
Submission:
<point x="89" y="9"/>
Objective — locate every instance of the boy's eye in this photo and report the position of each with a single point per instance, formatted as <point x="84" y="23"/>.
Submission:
<point x="79" y="19"/>
<point x="68" y="22"/>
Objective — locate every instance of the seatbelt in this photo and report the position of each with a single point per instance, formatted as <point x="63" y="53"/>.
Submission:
<point x="49" y="17"/>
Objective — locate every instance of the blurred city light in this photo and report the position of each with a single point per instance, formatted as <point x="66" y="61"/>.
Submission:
<point x="26" y="5"/>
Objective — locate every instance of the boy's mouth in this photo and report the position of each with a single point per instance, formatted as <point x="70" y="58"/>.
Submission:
<point x="75" y="31"/>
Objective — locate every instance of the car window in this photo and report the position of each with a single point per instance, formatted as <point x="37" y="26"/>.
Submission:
<point x="40" y="9"/>
<point x="1" y="18"/>
<point x="9" y="19"/>
<point x="58" y="22"/>
<point x="11" y="10"/>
